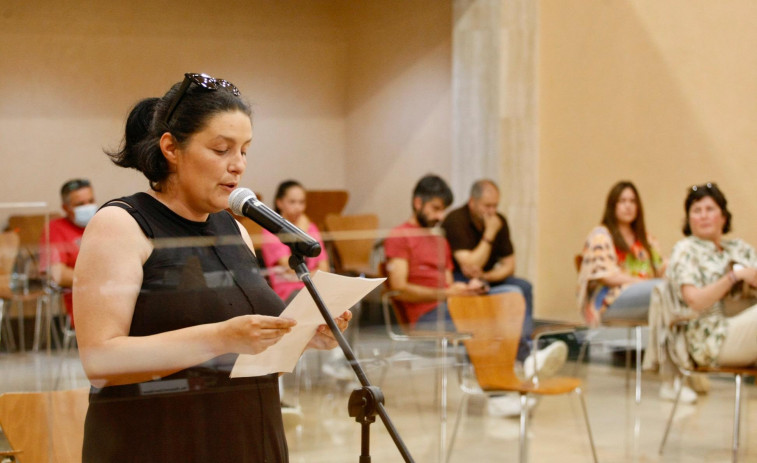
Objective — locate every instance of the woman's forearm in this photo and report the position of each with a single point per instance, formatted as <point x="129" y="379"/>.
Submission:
<point x="126" y="359"/>
<point x="701" y="299"/>
<point x="619" y="278"/>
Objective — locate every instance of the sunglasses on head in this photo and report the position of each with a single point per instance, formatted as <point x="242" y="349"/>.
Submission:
<point x="73" y="185"/>
<point x="704" y="186"/>
<point x="202" y="80"/>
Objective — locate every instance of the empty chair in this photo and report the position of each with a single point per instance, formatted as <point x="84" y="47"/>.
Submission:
<point x="44" y="427"/>
<point x="353" y="238"/>
<point x="495" y="322"/>
<point x="324" y="202"/>
<point x="16" y="292"/>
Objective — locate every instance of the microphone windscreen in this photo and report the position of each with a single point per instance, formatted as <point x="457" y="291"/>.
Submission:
<point x="238" y="197"/>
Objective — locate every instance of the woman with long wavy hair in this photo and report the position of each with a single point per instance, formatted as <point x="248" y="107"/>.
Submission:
<point x="620" y="261"/>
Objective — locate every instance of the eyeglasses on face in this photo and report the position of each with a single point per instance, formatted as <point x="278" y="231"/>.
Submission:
<point x="202" y="80"/>
<point x="73" y="185"/>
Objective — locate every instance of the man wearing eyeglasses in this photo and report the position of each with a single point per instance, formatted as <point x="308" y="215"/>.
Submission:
<point x="78" y="203"/>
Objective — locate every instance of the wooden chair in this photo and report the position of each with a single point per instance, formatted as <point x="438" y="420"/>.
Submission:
<point x="16" y="293"/>
<point x="44" y="427"/>
<point x="738" y="374"/>
<point x="321" y="203"/>
<point x="495" y="322"/>
<point x="631" y="325"/>
<point x="353" y="238"/>
<point x="30" y="228"/>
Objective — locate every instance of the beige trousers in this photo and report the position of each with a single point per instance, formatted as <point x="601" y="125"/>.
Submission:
<point x="740" y="346"/>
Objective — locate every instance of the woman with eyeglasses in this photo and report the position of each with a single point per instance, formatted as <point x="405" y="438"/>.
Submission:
<point x="620" y="262"/>
<point x="704" y="267"/>
<point x="167" y="292"/>
<point x="290" y="202"/>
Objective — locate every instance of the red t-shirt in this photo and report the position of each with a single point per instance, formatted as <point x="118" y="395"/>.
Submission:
<point x="65" y="239"/>
<point x="428" y="257"/>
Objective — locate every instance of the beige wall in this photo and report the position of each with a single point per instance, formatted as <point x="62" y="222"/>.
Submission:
<point x="659" y="92"/>
<point x="398" y="102"/>
<point x="72" y="72"/>
<point x="337" y="104"/>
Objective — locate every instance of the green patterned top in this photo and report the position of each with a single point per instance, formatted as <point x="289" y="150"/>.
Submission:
<point x="699" y="262"/>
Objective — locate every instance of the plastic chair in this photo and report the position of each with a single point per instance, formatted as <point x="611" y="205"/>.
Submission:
<point x="496" y="321"/>
<point x="738" y="373"/>
<point x="16" y="291"/>
<point x="402" y="332"/>
<point x="630" y="324"/>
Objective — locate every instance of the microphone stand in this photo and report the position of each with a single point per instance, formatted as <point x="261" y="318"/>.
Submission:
<point x="366" y="402"/>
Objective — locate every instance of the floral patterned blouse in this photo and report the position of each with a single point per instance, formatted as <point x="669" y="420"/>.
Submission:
<point x="698" y="262"/>
<point x="599" y="260"/>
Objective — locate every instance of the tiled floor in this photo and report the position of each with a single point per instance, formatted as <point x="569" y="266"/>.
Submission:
<point x="623" y="431"/>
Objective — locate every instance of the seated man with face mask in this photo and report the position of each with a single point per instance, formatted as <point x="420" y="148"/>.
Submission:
<point x="78" y="203"/>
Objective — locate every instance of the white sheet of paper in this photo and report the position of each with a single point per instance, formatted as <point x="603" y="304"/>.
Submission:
<point x="339" y="293"/>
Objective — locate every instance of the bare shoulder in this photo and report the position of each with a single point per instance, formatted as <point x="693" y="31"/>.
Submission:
<point x="113" y="230"/>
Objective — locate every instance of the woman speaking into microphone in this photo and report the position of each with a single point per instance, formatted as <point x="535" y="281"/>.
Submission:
<point x="167" y="292"/>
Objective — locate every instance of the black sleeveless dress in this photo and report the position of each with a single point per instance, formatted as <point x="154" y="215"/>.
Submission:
<point x="198" y="272"/>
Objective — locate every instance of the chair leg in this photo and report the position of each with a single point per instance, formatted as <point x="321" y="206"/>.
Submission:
<point x="582" y="351"/>
<point x="638" y="364"/>
<point x="5" y="325"/>
<point x="385" y="368"/>
<point x="672" y="414"/>
<point x="628" y="359"/>
<point x="736" y="419"/>
<point x="21" y="328"/>
<point x="443" y="344"/>
<point x="523" y="428"/>
<point x="459" y="416"/>
<point x="580" y="395"/>
<point x="38" y="325"/>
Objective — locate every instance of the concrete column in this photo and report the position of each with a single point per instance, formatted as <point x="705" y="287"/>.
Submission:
<point x="494" y="56"/>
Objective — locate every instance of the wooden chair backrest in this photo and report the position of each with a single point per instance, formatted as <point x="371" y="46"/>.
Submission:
<point x="45" y="426"/>
<point x="495" y="321"/>
<point x="321" y="203"/>
<point x="353" y="254"/>
<point x="9" y="246"/>
<point x="578" y="259"/>
<point x="30" y="228"/>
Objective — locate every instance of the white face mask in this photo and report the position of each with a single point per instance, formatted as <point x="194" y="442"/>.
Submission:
<point x="83" y="214"/>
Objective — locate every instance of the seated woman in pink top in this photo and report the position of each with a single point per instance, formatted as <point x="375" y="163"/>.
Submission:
<point x="290" y="202"/>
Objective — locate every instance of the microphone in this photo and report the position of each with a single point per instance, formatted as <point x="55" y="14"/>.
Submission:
<point x="243" y="201"/>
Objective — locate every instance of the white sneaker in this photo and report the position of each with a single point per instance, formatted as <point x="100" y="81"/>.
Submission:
<point x="548" y="360"/>
<point x="669" y="389"/>
<point x="508" y="405"/>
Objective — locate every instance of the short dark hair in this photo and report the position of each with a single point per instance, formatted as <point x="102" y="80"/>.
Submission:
<point x="281" y="191"/>
<point x="146" y="123"/>
<point x="71" y="186"/>
<point x="432" y="186"/>
<point x="699" y="192"/>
